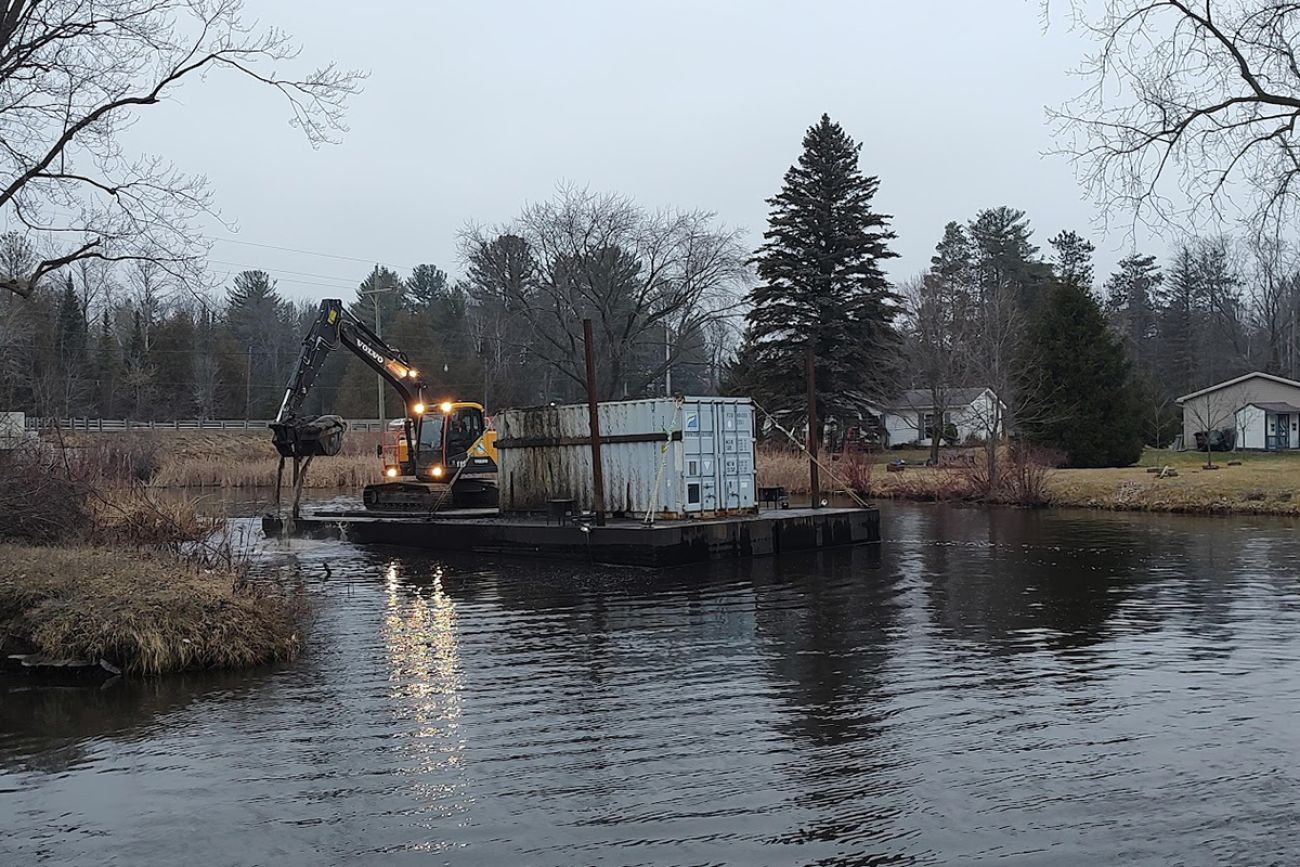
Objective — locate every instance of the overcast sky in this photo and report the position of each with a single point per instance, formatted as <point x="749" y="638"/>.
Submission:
<point x="473" y="109"/>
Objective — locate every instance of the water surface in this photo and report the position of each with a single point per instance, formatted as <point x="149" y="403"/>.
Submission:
<point x="1044" y="688"/>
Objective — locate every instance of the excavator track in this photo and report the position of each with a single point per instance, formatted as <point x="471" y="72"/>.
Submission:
<point x="408" y="497"/>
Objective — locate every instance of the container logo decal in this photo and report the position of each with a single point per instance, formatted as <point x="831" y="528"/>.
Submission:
<point x="692" y="421"/>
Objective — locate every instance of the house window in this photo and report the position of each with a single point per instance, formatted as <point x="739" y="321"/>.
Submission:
<point x="929" y="421"/>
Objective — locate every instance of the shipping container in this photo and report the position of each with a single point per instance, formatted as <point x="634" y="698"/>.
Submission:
<point x="668" y="457"/>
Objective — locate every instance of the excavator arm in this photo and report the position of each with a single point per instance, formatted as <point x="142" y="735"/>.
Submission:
<point x="296" y="435"/>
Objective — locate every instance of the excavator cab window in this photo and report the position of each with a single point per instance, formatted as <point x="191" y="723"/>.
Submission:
<point x="465" y="426"/>
<point x="431" y="435"/>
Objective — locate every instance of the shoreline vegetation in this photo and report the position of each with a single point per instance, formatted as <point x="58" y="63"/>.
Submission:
<point x="1241" y="483"/>
<point x="94" y="567"/>
<point x="97" y="571"/>
<point x="1245" y="483"/>
<point x="144" y="612"/>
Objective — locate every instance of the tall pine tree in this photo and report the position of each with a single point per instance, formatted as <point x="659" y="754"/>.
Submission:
<point x="1131" y="294"/>
<point x="822" y="287"/>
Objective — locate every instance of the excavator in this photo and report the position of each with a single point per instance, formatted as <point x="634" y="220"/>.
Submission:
<point x="437" y="455"/>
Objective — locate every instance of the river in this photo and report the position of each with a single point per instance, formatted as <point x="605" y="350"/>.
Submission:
<point x="988" y="685"/>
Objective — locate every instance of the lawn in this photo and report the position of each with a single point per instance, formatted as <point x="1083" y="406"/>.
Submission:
<point x="1257" y="483"/>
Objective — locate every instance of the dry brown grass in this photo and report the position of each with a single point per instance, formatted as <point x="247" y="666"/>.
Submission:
<point x="146" y="613"/>
<point x="217" y="459"/>
<point x="866" y="474"/>
<point x="1263" y="484"/>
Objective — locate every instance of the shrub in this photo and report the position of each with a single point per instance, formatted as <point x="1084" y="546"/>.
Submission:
<point x="40" y="501"/>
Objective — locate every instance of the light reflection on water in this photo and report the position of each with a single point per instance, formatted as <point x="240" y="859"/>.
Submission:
<point x="1055" y="688"/>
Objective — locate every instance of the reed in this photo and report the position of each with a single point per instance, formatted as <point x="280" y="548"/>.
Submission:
<point x="341" y="471"/>
<point x="207" y="459"/>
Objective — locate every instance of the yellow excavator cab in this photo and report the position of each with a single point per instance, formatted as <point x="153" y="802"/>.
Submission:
<point x="455" y="439"/>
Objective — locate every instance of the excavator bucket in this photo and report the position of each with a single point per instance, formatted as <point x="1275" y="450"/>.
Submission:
<point x="322" y="435"/>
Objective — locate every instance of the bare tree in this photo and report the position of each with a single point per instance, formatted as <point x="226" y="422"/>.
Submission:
<point x="1204" y="95"/>
<point x="994" y="358"/>
<point x="1273" y="290"/>
<point x="75" y="74"/>
<point x="1214" y="412"/>
<point x="634" y="273"/>
<point x="935" y="325"/>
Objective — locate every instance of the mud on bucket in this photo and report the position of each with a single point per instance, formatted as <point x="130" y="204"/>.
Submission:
<point x="322" y="435"/>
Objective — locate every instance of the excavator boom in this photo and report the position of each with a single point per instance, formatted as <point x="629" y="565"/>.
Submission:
<point x="297" y="435"/>
<point x="450" y="453"/>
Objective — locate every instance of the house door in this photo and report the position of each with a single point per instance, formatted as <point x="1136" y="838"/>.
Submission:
<point x="1278" y="434"/>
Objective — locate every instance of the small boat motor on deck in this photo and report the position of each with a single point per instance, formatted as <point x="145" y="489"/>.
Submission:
<point x="309" y="437"/>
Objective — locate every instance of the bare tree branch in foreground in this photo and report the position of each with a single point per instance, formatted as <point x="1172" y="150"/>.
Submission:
<point x="73" y="77"/>
<point x="1203" y="97"/>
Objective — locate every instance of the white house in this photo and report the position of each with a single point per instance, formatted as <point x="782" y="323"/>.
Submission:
<point x="13" y="430"/>
<point x="976" y="413"/>
<point x="1263" y="409"/>
<point x="1268" y="425"/>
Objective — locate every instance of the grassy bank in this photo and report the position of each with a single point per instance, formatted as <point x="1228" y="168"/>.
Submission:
<point x="145" y="613"/>
<point x="1262" y="484"/>
<point x="93" y="569"/>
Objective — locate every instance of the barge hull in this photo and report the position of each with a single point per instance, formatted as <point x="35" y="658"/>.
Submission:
<point x="620" y="542"/>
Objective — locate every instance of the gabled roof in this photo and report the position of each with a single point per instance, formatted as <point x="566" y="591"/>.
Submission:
<point x="1256" y="375"/>
<point x="1275" y="406"/>
<point x="915" y="399"/>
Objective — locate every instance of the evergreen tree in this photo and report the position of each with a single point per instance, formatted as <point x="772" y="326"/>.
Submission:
<point x="263" y="342"/>
<point x="1073" y="255"/>
<point x="1087" y="404"/>
<point x="1131" y="294"/>
<point x="70" y="329"/>
<point x="358" y="388"/>
<point x="426" y="287"/>
<point x="138" y="372"/>
<point x="1004" y="257"/>
<point x="952" y="260"/>
<point x="1182" y="302"/>
<point x="822" y="286"/>
<point x="108" y="370"/>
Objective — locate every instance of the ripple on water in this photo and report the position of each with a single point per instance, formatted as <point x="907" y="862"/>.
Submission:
<point x="1052" y="687"/>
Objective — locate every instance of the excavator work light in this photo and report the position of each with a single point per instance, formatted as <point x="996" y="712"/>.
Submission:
<point x="437" y="472"/>
<point x="418" y="409"/>
<point x="446" y="407"/>
<point x="391" y="472"/>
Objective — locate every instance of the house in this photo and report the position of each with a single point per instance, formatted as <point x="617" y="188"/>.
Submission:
<point x="13" y="431"/>
<point x="975" y="413"/>
<point x="1262" y="410"/>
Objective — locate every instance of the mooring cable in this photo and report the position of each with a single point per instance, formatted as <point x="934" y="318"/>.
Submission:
<point x="848" y="488"/>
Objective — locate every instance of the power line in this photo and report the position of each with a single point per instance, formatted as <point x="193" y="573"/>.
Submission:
<point x="293" y="250"/>
<point x="274" y="271"/>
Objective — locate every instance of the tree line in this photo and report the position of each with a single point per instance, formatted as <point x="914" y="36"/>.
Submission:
<point x="132" y="340"/>
<point x="1088" y="370"/>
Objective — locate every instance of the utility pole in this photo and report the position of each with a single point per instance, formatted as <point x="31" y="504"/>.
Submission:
<point x="593" y="421"/>
<point x="814" y="475"/>
<point x="668" y="362"/>
<point x="248" y="383"/>
<point x="373" y="292"/>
